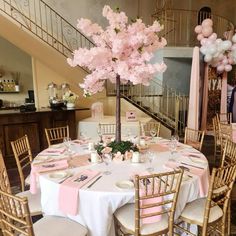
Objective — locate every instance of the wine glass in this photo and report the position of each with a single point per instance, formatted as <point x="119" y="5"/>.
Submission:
<point x="153" y="133"/>
<point x="107" y="158"/>
<point x="67" y="143"/>
<point x="150" y="158"/>
<point x="99" y="131"/>
<point x="173" y="146"/>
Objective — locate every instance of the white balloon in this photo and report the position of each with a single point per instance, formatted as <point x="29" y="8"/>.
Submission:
<point x="207" y="58"/>
<point x="226" y="44"/>
<point x="203" y="50"/>
<point x="212" y="49"/>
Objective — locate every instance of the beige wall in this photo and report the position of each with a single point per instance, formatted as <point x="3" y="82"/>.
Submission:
<point x="13" y="60"/>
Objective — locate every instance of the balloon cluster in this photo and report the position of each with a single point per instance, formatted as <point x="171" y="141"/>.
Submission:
<point x="217" y="52"/>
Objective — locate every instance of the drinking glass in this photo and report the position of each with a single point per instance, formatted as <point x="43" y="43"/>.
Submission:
<point x="173" y="146"/>
<point x="150" y="158"/>
<point x="153" y="133"/>
<point x="99" y="131"/>
<point x="107" y="158"/>
<point x="67" y="143"/>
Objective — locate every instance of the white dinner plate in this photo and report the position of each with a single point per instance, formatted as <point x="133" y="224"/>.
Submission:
<point x="125" y="185"/>
<point x="58" y="174"/>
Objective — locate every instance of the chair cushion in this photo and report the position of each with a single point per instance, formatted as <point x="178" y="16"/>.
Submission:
<point x="33" y="200"/>
<point x="58" y="226"/>
<point x="194" y="211"/>
<point x="125" y="215"/>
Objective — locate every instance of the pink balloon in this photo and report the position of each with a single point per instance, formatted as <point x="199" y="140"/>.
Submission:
<point x="230" y="60"/>
<point x="228" y="68"/>
<point x="207" y="31"/>
<point x="198" y="29"/>
<point x="200" y="37"/>
<point x="207" y="22"/>
<point x="233" y="47"/>
<point x="213" y="36"/>
<point x="220" y="68"/>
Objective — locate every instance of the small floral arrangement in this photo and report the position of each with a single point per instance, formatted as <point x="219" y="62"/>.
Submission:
<point x="119" y="150"/>
<point x="70" y="97"/>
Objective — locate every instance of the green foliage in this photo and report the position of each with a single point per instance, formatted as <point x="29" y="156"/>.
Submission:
<point x="122" y="147"/>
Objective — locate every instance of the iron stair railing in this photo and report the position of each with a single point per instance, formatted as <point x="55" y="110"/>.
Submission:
<point x="40" y="19"/>
<point x="160" y="102"/>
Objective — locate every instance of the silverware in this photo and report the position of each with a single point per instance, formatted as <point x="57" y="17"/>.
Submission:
<point x="94" y="181"/>
<point x="183" y="163"/>
<point x="63" y="180"/>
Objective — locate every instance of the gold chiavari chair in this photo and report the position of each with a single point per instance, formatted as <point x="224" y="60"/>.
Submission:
<point x="210" y="213"/>
<point x="224" y="118"/>
<point x="229" y="153"/>
<point x="147" y="127"/>
<point x="194" y="138"/>
<point x="23" y="156"/>
<point x="15" y="220"/>
<point x="33" y="199"/>
<point x="56" y="135"/>
<point x="217" y="140"/>
<point x="155" y="195"/>
<point x="107" y="129"/>
<point x="225" y="134"/>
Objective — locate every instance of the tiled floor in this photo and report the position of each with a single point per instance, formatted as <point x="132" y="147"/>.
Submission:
<point x="208" y="150"/>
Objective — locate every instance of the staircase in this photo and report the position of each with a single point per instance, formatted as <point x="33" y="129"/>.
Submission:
<point x="160" y="102"/>
<point x="42" y="21"/>
<point x="36" y="17"/>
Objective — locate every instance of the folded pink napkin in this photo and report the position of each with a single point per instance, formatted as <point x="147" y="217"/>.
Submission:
<point x="158" y="148"/>
<point x="81" y="141"/>
<point x="44" y="167"/>
<point x="53" y="151"/>
<point x="142" y="192"/>
<point x="202" y="174"/>
<point x="69" y="191"/>
<point x="146" y="138"/>
<point x="79" y="160"/>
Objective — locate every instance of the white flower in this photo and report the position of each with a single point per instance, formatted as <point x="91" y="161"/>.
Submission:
<point x="70" y="97"/>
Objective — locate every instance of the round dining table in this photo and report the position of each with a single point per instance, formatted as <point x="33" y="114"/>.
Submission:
<point x="98" y="199"/>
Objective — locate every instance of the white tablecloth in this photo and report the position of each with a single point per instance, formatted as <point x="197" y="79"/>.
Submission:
<point x="89" y="126"/>
<point x="98" y="203"/>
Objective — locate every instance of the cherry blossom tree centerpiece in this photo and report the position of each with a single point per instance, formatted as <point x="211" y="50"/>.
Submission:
<point x="121" y="54"/>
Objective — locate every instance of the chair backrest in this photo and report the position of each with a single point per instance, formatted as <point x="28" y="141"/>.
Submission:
<point x="194" y="138"/>
<point x="107" y="129"/>
<point x="23" y="156"/>
<point x="4" y="183"/>
<point x="147" y="127"/>
<point x="156" y="195"/>
<point x="225" y="131"/>
<point x="14" y="215"/>
<point x="56" y="135"/>
<point x="224" y="118"/>
<point x="221" y="184"/>
<point x="229" y="153"/>
<point x="97" y="110"/>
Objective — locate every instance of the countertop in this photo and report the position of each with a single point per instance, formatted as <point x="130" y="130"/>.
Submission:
<point x="17" y="110"/>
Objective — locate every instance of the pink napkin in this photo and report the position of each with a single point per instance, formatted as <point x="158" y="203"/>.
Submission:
<point x="81" y="160"/>
<point x="142" y="192"/>
<point x="158" y="148"/>
<point x="202" y="174"/>
<point x="81" y="141"/>
<point x="69" y="191"/>
<point x="146" y="138"/>
<point x="44" y="167"/>
<point x="53" y="151"/>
